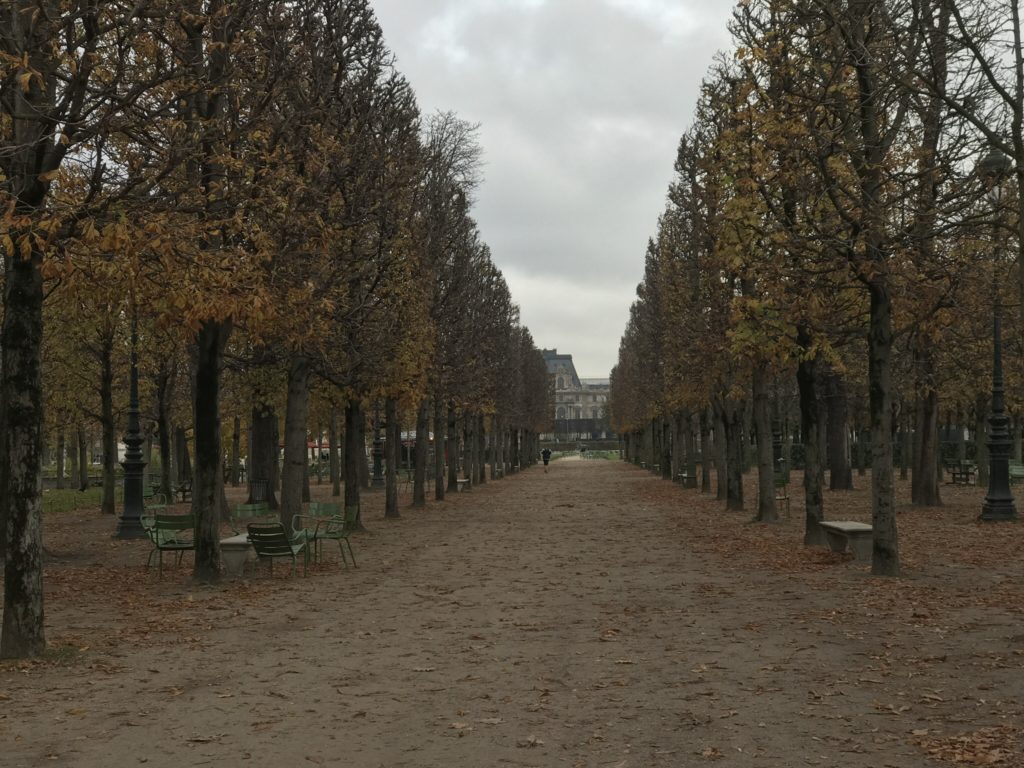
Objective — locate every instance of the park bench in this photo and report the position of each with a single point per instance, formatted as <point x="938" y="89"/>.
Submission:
<point x="169" y="533"/>
<point x="841" y="533"/>
<point x="1016" y="472"/>
<point x="962" y="472"/>
<point x="687" y="479"/>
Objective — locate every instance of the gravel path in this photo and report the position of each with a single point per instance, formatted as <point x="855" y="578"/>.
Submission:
<point x="550" y="619"/>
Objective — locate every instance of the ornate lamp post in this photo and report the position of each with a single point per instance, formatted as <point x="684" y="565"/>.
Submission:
<point x="998" y="504"/>
<point x="129" y="524"/>
<point x="377" y="451"/>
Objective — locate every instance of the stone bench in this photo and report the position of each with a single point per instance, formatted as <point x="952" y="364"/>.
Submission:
<point x="687" y="480"/>
<point x="235" y="551"/>
<point x="842" y="532"/>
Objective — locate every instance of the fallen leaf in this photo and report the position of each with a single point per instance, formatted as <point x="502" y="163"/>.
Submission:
<point x="530" y="741"/>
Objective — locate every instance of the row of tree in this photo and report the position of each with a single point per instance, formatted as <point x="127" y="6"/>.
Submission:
<point x="844" y="222"/>
<point x="248" y="192"/>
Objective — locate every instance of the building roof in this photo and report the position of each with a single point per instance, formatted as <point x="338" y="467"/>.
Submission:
<point x="556" y="361"/>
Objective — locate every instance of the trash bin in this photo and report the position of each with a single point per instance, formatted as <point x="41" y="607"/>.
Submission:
<point x="259" y="490"/>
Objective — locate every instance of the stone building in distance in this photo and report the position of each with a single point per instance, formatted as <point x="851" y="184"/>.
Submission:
<point x="581" y="405"/>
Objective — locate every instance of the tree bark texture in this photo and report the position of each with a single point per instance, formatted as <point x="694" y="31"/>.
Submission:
<point x="236" y="451"/>
<point x="840" y="474"/>
<point x="332" y="449"/>
<point x="61" y="452"/>
<point x="734" y="456"/>
<point x="164" y="384"/>
<point x="925" y="485"/>
<point x="355" y="452"/>
<point x="705" y="452"/>
<point x="83" y="458"/>
<point x="420" y="455"/>
<point x="392" y="449"/>
<point x="207" y="479"/>
<point x="22" y="634"/>
<point x="107" y="505"/>
<point x="810" y="415"/>
<point x="294" y="472"/>
<point x="439" y="448"/>
<point x="263" y="451"/>
<point x="762" y="418"/>
<point x="885" y="556"/>
<point x="453" y="450"/>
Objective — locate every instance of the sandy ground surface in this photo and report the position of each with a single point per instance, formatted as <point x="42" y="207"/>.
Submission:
<point x="593" y="615"/>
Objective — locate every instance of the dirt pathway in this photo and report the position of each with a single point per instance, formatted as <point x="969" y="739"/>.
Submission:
<point x="568" y="618"/>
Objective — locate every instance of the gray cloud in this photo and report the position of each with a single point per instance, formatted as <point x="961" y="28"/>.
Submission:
<point x="581" y="105"/>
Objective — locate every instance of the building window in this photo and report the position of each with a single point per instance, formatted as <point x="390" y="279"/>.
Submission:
<point x="561" y="383"/>
<point x="593" y="413"/>
<point x="561" y="413"/>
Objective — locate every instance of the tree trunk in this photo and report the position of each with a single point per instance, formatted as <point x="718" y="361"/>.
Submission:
<point x="733" y="423"/>
<point x="453" y="450"/>
<point x="439" y="448"/>
<point x="419" y="483"/>
<point x="720" y="456"/>
<point x="72" y="469"/>
<point x="236" y="452"/>
<point x="925" y="486"/>
<point x="691" y="451"/>
<point x="108" y="504"/>
<point x="207" y="479"/>
<point x="906" y="447"/>
<point x="296" y="417"/>
<point x="355" y="452"/>
<point x="468" y="454"/>
<point x="362" y="465"/>
<point x="164" y="385"/>
<point x="184" y="461"/>
<point x="705" y="453"/>
<point x="332" y="449"/>
<point x="83" y="458"/>
<point x="666" y="449"/>
<point x="147" y="456"/>
<point x="263" y="452"/>
<point x="885" y="559"/>
<point x="393" y="432"/>
<point x="810" y="415"/>
<point x="840" y="475"/>
<point x="21" y="342"/>
<point x="61" y="450"/>
<point x="766" y="511"/>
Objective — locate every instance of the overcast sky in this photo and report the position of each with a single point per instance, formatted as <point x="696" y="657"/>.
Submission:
<point x="581" y="104"/>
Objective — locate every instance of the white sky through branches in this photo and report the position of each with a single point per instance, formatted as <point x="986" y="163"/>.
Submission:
<point x="581" y="105"/>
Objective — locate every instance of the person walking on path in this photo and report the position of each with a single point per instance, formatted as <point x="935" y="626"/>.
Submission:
<point x="546" y="455"/>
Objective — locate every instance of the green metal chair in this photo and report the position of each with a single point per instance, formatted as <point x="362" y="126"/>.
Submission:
<point x="169" y="533"/>
<point x="271" y="540"/>
<point x="313" y="522"/>
<point x="338" y="529"/>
